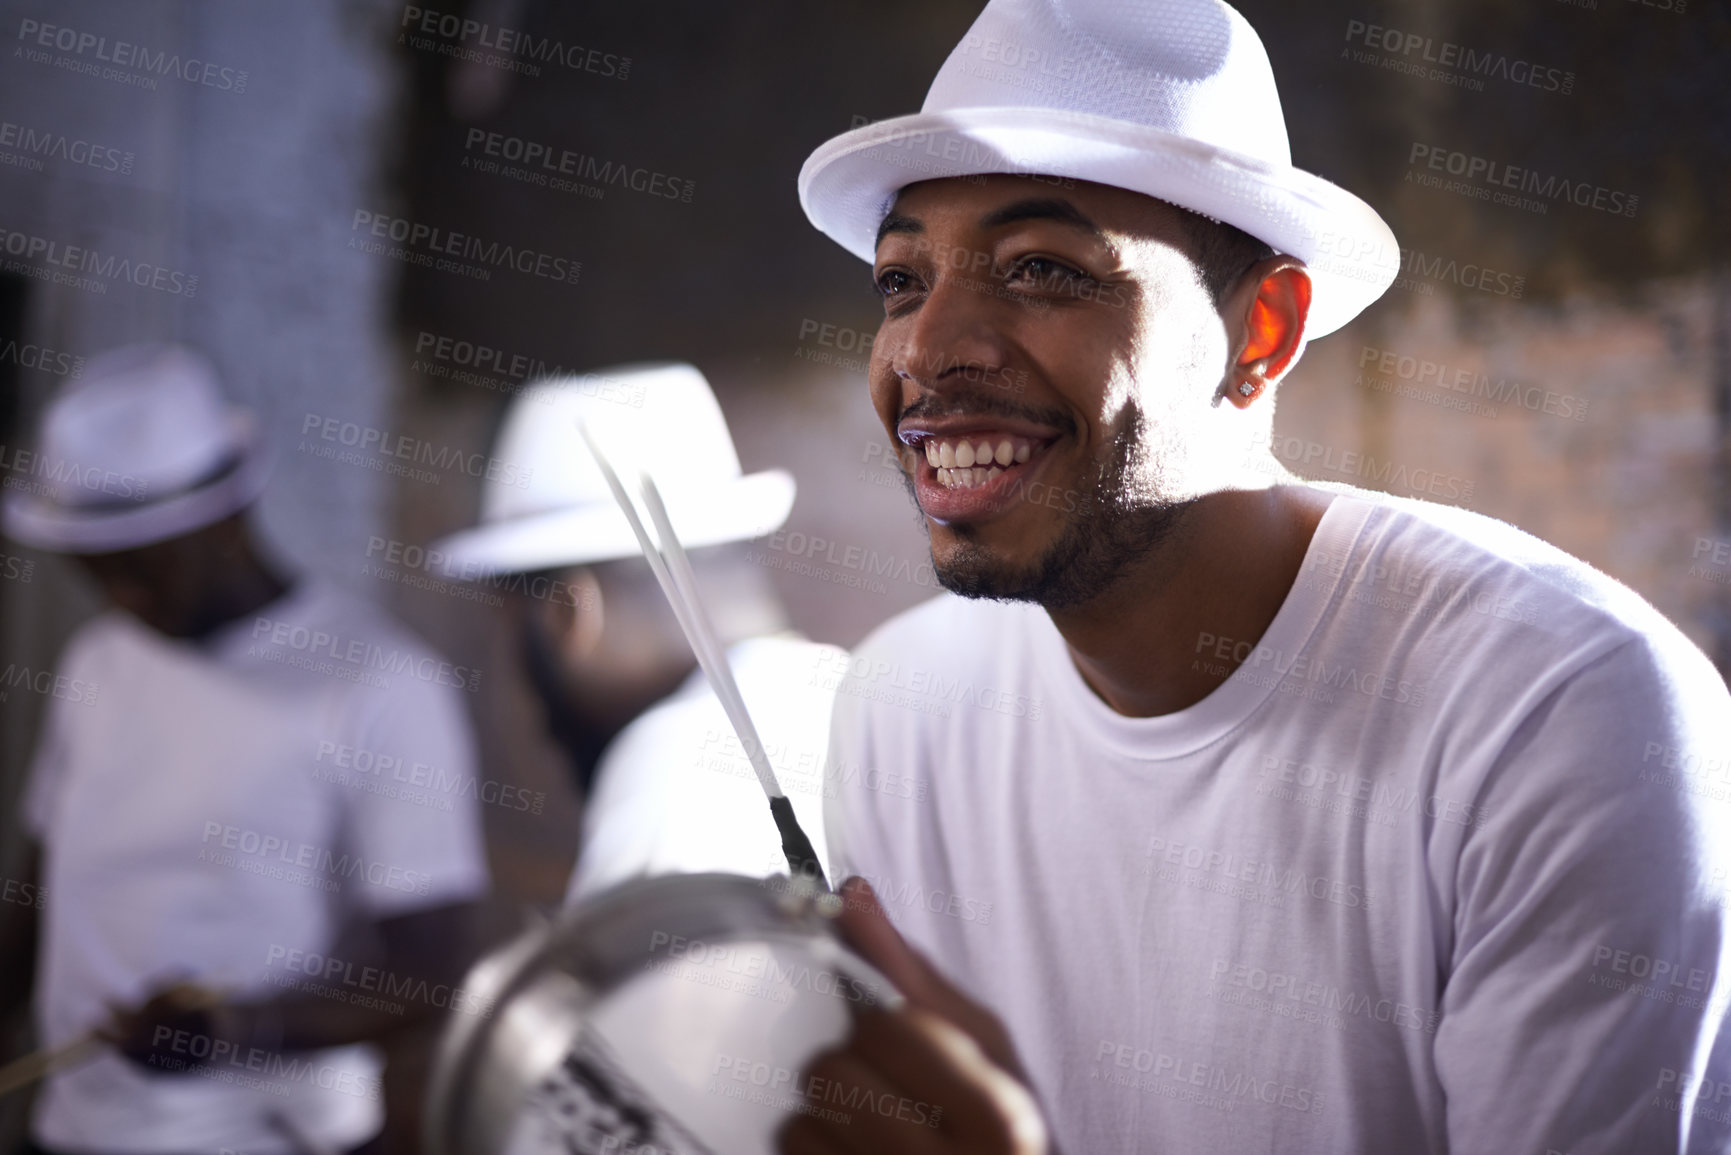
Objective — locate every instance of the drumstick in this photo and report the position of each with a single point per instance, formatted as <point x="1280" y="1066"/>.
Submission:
<point x="40" y="1064"/>
<point x="672" y="571"/>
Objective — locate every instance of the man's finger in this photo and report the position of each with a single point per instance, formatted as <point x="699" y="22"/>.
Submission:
<point x="861" y="1109"/>
<point x="975" y="1097"/>
<point x="868" y="931"/>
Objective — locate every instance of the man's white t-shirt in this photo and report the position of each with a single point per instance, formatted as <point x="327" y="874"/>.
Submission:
<point x="213" y="813"/>
<point x="675" y="792"/>
<point x="1441" y="867"/>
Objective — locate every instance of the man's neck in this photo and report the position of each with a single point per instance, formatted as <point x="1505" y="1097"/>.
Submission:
<point x="1223" y="574"/>
<point x="248" y="588"/>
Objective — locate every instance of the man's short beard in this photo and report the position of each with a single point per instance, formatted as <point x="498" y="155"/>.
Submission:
<point x="1115" y="525"/>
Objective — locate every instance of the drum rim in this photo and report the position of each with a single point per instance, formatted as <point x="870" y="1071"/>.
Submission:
<point x="589" y="942"/>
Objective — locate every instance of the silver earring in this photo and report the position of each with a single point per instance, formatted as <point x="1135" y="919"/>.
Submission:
<point x="1246" y="389"/>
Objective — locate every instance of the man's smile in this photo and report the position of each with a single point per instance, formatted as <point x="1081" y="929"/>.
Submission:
<point x="973" y="466"/>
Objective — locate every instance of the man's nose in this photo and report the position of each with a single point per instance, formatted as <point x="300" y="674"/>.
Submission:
<point x="957" y="330"/>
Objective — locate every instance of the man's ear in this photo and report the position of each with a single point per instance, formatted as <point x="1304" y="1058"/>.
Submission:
<point x="571" y="613"/>
<point x="1275" y="298"/>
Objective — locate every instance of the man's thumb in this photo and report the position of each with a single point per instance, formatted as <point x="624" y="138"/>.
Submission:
<point x="867" y="929"/>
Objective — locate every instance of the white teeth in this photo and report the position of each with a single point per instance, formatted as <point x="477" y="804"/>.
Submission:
<point x="963" y="464"/>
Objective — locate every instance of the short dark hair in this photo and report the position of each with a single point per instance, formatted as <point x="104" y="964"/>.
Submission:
<point x="1222" y="252"/>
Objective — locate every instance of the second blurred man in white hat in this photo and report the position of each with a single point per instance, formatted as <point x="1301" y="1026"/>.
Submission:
<point x="673" y="792"/>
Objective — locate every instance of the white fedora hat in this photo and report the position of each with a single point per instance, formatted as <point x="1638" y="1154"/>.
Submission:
<point x="1173" y="99"/>
<point x="140" y="449"/>
<point x="661" y="417"/>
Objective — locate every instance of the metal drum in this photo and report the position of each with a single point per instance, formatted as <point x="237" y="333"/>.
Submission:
<point x="668" y="1014"/>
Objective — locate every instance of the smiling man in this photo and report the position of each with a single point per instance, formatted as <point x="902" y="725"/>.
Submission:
<point x="1255" y="815"/>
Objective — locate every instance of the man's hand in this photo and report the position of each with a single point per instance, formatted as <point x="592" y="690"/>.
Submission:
<point x="938" y="1075"/>
<point x="175" y="1030"/>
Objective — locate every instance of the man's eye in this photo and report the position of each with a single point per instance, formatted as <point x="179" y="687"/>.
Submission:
<point x="892" y="283"/>
<point x="1043" y="272"/>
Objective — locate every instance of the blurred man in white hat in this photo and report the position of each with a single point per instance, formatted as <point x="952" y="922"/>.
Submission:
<point x="674" y="791"/>
<point x="1348" y="824"/>
<point x="199" y="845"/>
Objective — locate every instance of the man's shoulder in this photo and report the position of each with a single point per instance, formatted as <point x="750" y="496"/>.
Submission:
<point x="1470" y="574"/>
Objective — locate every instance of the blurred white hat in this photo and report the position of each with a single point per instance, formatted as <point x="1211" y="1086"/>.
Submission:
<point x="142" y="448"/>
<point x="1173" y="99"/>
<point x="662" y="417"/>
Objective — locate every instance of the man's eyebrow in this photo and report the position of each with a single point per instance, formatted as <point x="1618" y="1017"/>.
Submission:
<point x="898" y="224"/>
<point x="1040" y="209"/>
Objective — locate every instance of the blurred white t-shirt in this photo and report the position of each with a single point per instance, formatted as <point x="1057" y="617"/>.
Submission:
<point x="207" y="809"/>
<point x="1442" y="866"/>
<point x="675" y="792"/>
